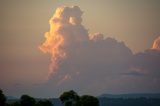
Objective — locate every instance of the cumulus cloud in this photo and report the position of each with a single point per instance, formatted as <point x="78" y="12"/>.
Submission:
<point x="96" y="37"/>
<point x="65" y="30"/>
<point x="148" y="62"/>
<point x="90" y="63"/>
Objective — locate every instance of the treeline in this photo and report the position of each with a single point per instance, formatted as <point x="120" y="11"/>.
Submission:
<point x="69" y="98"/>
<point x="129" y="101"/>
<point x="25" y="100"/>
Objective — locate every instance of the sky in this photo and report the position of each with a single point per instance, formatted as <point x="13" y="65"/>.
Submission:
<point x="111" y="46"/>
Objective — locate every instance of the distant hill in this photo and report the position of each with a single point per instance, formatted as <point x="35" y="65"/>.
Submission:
<point x="132" y="95"/>
<point x="11" y="98"/>
<point x="129" y="101"/>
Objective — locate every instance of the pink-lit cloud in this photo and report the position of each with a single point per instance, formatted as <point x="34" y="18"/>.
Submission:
<point x="91" y="63"/>
<point x="156" y="44"/>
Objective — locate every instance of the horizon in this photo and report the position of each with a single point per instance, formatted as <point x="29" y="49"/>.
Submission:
<point x="98" y="96"/>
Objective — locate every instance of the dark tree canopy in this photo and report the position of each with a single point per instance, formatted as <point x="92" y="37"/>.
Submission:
<point x="70" y="98"/>
<point x="2" y="98"/>
<point x="26" y="100"/>
<point x="15" y="104"/>
<point x="44" y="103"/>
<point x="87" y="100"/>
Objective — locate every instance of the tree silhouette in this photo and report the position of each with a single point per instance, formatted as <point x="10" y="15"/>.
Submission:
<point x="26" y="100"/>
<point x="88" y="100"/>
<point x="70" y="98"/>
<point x="2" y="98"/>
<point x="44" y="103"/>
<point x="16" y="103"/>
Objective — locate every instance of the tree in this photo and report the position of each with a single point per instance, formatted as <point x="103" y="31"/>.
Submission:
<point x="44" y="103"/>
<point x="26" y="100"/>
<point x="87" y="100"/>
<point x="2" y="98"/>
<point x="70" y="98"/>
<point x="16" y="103"/>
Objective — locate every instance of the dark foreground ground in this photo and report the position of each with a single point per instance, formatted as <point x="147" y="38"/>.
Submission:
<point x="103" y="101"/>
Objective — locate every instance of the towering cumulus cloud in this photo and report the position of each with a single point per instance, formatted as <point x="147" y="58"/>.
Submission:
<point x="65" y="30"/>
<point x="91" y="63"/>
<point x="156" y="44"/>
